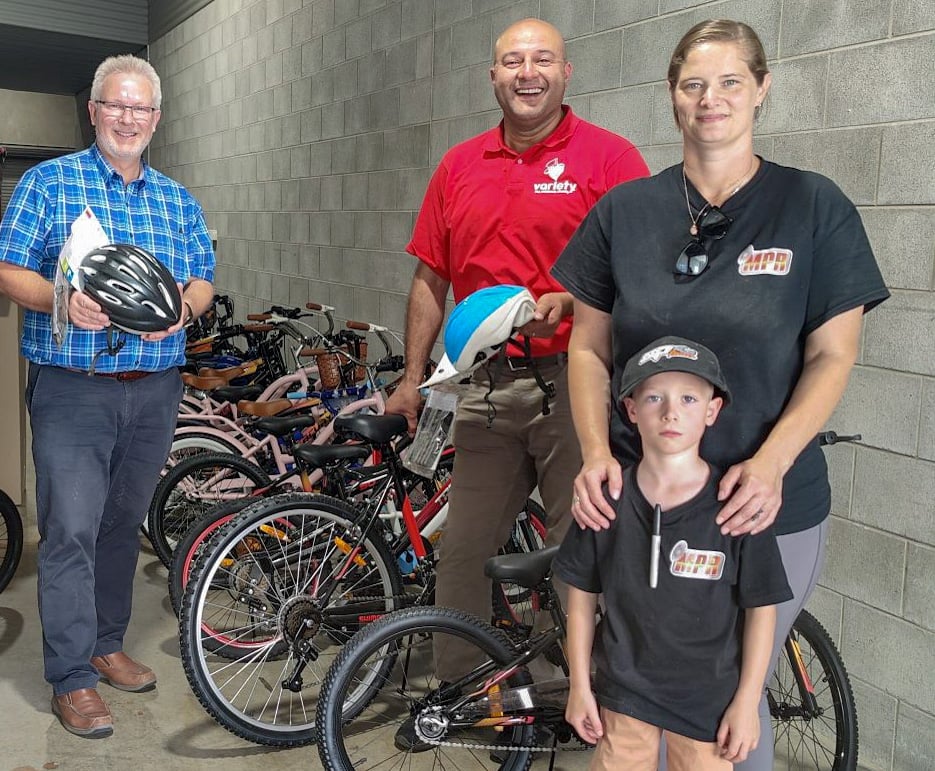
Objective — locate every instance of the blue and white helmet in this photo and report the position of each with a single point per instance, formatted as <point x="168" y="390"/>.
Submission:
<point x="478" y="326"/>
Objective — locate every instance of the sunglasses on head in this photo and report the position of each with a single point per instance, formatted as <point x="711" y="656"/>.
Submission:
<point x="693" y="259"/>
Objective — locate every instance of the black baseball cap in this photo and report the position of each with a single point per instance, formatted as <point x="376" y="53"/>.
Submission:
<point x="674" y="354"/>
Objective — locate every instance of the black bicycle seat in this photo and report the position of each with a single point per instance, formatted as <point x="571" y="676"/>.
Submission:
<point x="319" y="455"/>
<point x="525" y="569"/>
<point x="377" y="429"/>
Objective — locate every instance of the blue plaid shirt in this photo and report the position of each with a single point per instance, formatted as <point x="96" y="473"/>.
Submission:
<point x="152" y="212"/>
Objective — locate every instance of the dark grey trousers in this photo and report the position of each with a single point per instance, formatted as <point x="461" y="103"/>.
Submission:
<point x="98" y="446"/>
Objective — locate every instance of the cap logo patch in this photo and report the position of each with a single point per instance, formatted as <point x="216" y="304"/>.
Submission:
<point x="764" y="262"/>
<point x="668" y="352"/>
<point x="704" y="564"/>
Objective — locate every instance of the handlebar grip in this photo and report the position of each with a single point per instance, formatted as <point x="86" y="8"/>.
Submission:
<point x="361" y="325"/>
<point x="259" y="328"/>
<point x="313" y="306"/>
<point x="258" y="316"/>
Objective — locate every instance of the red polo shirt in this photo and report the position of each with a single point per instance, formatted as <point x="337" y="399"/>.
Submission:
<point x="493" y="216"/>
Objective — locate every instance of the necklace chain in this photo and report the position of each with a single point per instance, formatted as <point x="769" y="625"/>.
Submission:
<point x="695" y="218"/>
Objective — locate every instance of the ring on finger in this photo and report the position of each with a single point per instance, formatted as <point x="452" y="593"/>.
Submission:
<point x="575" y="500"/>
<point x="756" y="515"/>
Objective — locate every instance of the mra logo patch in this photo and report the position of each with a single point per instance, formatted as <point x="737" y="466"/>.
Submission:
<point x="705" y="564"/>
<point x="764" y="262"/>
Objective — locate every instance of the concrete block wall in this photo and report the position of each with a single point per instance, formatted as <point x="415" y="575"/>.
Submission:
<point x="308" y="130"/>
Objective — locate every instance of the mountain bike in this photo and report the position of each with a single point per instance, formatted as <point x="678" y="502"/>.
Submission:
<point x="283" y="585"/>
<point x="498" y="717"/>
<point x="11" y="539"/>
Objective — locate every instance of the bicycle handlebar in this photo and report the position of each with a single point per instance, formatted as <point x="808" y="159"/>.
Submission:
<point x="325" y="310"/>
<point x="826" y="438"/>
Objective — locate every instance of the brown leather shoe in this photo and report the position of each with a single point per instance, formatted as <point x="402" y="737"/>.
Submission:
<point x="83" y="713"/>
<point x="122" y="672"/>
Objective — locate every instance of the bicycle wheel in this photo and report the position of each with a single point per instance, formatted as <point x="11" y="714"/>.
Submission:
<point x="191" y="488"/>
<point x="269" y="605"/>
<point x="191" y="546"/>
<point x="385" y="677"/>
<point x="817" y="734"/>
<point x="11" y="539"/>
<point x="189" y="444"/>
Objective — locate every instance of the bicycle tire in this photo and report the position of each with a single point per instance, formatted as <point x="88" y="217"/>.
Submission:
<point x="358" y="715"/>
<point x="193" y="443"/>
<point x="189" y="489"/>
<point x="11" y="539"/>
<point x="259" y="605"/>
<point x="829" y="738"/>
<point x="188" y="445"/>
<point x="191" y="546"/>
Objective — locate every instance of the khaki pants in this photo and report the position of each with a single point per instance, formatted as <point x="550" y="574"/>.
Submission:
<point x="496" y="469"/>
<point x="629" y="744"/>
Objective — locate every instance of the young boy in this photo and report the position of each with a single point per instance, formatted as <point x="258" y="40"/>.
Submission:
<point x="683" y="647"/>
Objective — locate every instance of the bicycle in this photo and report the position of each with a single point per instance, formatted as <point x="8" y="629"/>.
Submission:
<point x="284" y="584"/>
<point x="385" y="677"/>
<point x="11" y="539"/>
<point x="190" y="487"/>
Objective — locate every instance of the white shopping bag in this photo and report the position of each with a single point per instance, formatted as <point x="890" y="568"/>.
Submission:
<point x="86" y="234"/>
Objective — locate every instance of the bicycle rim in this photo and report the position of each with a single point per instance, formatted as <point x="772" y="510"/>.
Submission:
<point x="385" y="678"/>
<point x="191" y="547"/>
<point x="187" y="445"/>
<point x="190" y="489"/>
<point x="826" y="739"/>
<point x="279" y="589"/>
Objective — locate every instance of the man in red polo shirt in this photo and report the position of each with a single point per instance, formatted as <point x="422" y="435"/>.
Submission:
<point x="498" y="210"/>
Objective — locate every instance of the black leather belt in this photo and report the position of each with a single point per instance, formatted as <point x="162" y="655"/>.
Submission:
<point x="125" y="377"/>
<point x="522" y="363"/>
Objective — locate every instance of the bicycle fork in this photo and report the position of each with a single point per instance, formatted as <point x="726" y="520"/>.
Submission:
<point x="808" y="707"/>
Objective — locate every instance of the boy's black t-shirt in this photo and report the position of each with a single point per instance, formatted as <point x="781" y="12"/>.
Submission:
<point x="794" y="256"/>
<point x="670" y="656"/>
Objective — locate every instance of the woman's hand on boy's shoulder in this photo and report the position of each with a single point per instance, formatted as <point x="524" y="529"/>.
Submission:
<point x="752" y="495"/>
<point x="598" y="479"/>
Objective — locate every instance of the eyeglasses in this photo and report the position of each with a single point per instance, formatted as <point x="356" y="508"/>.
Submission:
<point x="693" y="259"/>
<point x="116" y="109"/>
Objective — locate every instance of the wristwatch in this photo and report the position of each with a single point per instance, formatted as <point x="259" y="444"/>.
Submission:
<point x="191" y="313"/>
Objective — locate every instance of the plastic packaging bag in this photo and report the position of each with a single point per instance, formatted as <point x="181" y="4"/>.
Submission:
<point x="432" y="433"/>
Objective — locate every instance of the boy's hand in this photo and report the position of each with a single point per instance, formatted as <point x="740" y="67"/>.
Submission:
<point x="739" y="732"/>
<point x="583" y="714"/>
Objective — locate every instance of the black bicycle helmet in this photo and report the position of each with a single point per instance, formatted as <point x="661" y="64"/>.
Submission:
<point x="132" y="287"/>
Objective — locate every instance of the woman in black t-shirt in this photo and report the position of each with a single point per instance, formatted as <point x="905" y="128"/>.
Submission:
<point x="768" y="266"/>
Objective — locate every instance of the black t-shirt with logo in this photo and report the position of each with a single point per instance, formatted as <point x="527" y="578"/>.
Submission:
<point x="670" y="656"/>
<point x="795" y="256"/>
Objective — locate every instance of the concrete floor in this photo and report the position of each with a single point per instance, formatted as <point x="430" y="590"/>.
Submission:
<point x="165" y="729"/>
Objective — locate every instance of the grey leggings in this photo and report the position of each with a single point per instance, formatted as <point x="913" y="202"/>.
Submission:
<point x="803" y="555"/>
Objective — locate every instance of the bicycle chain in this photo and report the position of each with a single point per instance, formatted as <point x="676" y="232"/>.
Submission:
<point x="579" y="747"/>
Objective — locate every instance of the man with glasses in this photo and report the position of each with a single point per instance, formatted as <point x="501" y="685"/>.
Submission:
<point x="498" y="210"/>
<point x="101" y="439"/>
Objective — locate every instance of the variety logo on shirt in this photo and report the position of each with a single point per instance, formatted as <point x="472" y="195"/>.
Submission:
<point x="553" y="170"/>
<point x="685" y="562"/>
<point x="768" y="262"/>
